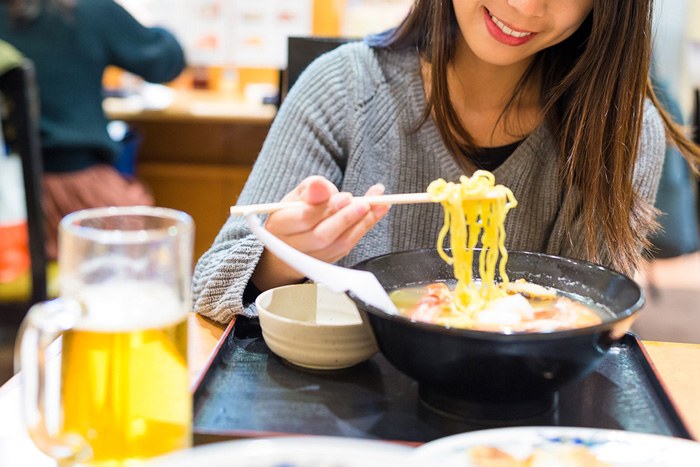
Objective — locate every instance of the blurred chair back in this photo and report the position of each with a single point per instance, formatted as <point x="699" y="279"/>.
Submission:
<point x="301" y="51"/>
<point x="20" y="120"/>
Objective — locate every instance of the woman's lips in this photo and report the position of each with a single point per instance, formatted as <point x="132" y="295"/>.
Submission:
<point x="503" y="33"/>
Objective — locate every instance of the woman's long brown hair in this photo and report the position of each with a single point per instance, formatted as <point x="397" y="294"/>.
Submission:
<point x="593" y="89"/>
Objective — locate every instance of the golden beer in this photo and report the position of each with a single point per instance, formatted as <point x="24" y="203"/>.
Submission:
<point x="125" y="387"/>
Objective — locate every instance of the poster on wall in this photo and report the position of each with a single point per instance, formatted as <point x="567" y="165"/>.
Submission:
<point x="242" y="33"/>
<point x="205" y="34"/>
<point x="258" y="30"/>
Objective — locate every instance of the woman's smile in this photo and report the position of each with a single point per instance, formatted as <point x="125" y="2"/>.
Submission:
<point x="504" y="33"/>
<point x="509" y="32"/>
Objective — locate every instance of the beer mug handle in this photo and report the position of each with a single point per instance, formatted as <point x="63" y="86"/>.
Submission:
<point x="38" y="340"/>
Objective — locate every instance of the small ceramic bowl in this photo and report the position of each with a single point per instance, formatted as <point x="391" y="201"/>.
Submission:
<point x="313" y="327"/>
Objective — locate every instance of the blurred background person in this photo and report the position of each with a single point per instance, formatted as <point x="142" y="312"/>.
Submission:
<point x="71" y="43"/>
<point x="677" y="197"/>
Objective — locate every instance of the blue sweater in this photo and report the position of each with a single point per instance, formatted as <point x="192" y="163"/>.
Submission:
<point x="70" y="52"/>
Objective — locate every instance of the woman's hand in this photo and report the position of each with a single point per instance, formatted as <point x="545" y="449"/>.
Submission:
<point x="327" y="228"/>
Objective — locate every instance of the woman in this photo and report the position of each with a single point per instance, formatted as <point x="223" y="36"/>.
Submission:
<point x="550" y="95"/>
<point x="71" y="42"/>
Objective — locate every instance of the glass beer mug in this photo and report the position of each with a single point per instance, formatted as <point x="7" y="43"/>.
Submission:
<point x="121" y="394"/>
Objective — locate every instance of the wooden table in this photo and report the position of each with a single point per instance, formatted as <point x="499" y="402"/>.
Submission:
<point x="204" y="339"/>
<point x="678" y="366"/>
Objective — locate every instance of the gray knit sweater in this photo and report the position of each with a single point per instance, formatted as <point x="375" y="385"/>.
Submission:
<point x="350" y="117"/>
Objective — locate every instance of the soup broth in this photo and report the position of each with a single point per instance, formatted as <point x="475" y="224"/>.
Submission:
<point x="526" y="307"/>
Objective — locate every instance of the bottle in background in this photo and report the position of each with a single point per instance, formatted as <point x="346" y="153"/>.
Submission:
<point x="14" y="237"/>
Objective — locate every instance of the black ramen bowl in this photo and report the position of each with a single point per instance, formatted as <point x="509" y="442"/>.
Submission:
<point x="480" y="375"/>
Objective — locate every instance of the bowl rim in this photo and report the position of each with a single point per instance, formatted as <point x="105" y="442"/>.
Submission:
<point x="262" y="310"/>
<point x="502" y="336"/>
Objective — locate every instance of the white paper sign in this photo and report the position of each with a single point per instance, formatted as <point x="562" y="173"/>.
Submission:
<point x="242" y="33"/>
<point x="258" y="31"/>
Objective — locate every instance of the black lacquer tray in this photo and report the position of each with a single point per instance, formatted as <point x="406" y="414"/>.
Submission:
<point x="248" y="391"/>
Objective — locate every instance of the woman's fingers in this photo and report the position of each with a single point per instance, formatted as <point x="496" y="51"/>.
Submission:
<point x="335" y="236"/>
<point x="323" y="200"/>
<point x="343" y="244"/>
<point x="331" y="228"/>
<point x="328" y="228"/>
<point x="313" y="190"/>
<point x="352" y="235"/>
<point x="378" y="210"/>
<point x="318" y="190"/>
<point x="332" y="222"/>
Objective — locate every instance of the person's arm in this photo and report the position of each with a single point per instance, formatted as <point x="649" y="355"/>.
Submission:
<point x="150" y="52"/>
<point x="307" y="137"/>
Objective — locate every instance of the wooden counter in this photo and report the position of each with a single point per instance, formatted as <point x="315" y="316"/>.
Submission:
<point x="196" y="154"/>
<point x="678" y="367"/>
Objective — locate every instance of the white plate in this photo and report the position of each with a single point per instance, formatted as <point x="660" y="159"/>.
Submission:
<point x="614" y="447"/>
<point x="307" y="451"/>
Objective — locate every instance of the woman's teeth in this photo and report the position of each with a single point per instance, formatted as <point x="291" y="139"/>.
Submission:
<point x="506" y="29"/>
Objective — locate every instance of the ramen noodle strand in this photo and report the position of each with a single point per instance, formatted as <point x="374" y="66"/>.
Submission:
<point x="439" y="188"/>
<point x="475" y="211"/>
<point x="510" y="202"/>
<point x="464" y="225"/>
<point x="489" y="253"/>
<point x="441" y="239"/>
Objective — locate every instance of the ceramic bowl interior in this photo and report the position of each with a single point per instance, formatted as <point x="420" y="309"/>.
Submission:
<point x="313" y="327"/>
<point x="490" y="375"/>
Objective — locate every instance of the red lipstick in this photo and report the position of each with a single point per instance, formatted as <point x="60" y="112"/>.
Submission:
<point x="501" y="36"/>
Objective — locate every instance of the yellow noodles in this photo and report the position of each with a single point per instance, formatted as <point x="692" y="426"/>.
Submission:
<point x="475" y="211"/>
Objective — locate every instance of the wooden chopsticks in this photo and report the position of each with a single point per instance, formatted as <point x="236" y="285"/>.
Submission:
<point x="405" y="198"/>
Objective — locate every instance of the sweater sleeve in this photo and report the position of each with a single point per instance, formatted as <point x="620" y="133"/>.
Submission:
<point x="150" y="52"/>
<point x="652" y="150"/>
<point x="307" y="137"/>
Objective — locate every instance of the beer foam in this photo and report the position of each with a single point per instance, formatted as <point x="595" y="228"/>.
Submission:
<point x="128" y="305"/>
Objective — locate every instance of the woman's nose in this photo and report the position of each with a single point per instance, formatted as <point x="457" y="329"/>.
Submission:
<point x="534" y="8"/>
